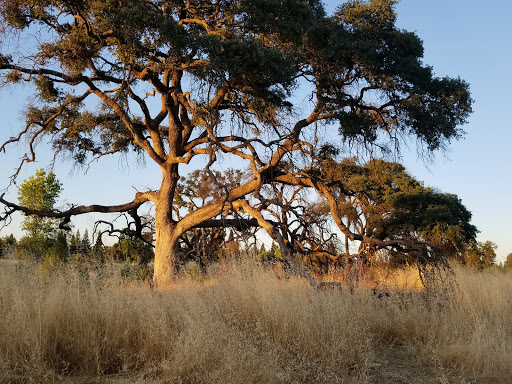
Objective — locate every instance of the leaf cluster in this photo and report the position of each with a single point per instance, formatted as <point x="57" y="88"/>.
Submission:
<point x="40" y="191"/>
<point x="202" y="186"/>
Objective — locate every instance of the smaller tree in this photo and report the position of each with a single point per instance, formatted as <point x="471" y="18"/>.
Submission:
<point x="481" y="255"/>
<point x="508" y="263"/>
<point x="39" y="192"/>
<point x="57" y="250"/>
<point x="380" y="200"/>
<point x="5" y="243"/>
<point x="270" y="256"/>
<point x="74" y="242"/>
<point x="131" y="250"/>
<point x="85" y="246"/>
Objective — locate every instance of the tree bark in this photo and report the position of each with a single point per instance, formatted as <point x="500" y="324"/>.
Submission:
<point x="166" y="242"/>
<point x="166" y="255"/>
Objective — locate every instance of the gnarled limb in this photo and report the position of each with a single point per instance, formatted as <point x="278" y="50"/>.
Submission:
<point x="141" y="227"/>
<point x="276" y="236"/>
<point x="140" y="198"/>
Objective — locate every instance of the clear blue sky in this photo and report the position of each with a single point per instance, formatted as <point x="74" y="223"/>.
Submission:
<point x="472" y="40"/>
<point x="461" y="38"/>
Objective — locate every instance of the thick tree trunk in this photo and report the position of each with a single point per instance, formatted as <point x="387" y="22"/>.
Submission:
<point x="166" y="255"/>
<point x="166" y="247"/>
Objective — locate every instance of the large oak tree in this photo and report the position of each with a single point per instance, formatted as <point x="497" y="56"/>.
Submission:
<point x="174" y="80"/>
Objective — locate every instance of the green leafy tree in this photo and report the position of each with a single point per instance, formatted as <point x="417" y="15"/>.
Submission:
<point x="74" y="242"/>
<point x="381" y="200"/>
<point x="131" y="250"/>
<point x="57" y="250"/>
<point x="176" y="81"/>
<point x="480" y="255"/>
<point x="508" y="263"/>
<point x="84" y="246"/>
<point x="39" y="192"/>
<point x="272" y="255"/>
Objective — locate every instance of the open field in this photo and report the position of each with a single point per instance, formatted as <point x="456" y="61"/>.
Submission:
<point x="246" y="325"/>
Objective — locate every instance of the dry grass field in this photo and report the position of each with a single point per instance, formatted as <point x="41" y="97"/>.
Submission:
<point x="248" y="325"/>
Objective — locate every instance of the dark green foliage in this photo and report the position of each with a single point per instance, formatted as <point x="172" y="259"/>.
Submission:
<point x="381" y="200"/>
<point x="85" y="244"/>
<point x="270" y="256"/>
<point x="284" y="21"/>
<point x="80" y="246"/>
<point x="131" y="250"/>
<point x="74" y="242"/>
<point x="6" y="243"/>
<point x="57" y="251"/>
<point x="9" y="240"/>
<point x="135" y="254"/>
<point x="364" y="43"/>
<point x="49" y="249"/>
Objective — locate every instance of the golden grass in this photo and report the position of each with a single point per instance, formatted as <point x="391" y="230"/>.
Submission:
<point x="248" y="326"/>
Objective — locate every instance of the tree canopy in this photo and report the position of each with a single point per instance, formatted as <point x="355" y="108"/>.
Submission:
<point x="508" y="263"/>
<point x="381" y="200"/>
<point x="176" y="80"/>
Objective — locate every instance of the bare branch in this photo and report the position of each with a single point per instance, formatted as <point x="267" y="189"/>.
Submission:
<point x="140" y="198"/>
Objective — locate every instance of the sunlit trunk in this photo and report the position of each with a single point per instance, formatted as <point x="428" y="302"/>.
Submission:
<point x="166" y="247"/>
<point x="166" y="255"/>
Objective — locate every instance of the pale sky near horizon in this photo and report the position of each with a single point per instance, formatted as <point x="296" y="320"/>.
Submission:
<point x="461" y="38"/>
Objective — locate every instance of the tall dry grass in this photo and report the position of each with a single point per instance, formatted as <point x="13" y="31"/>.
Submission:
<point x="244" y="326"/>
